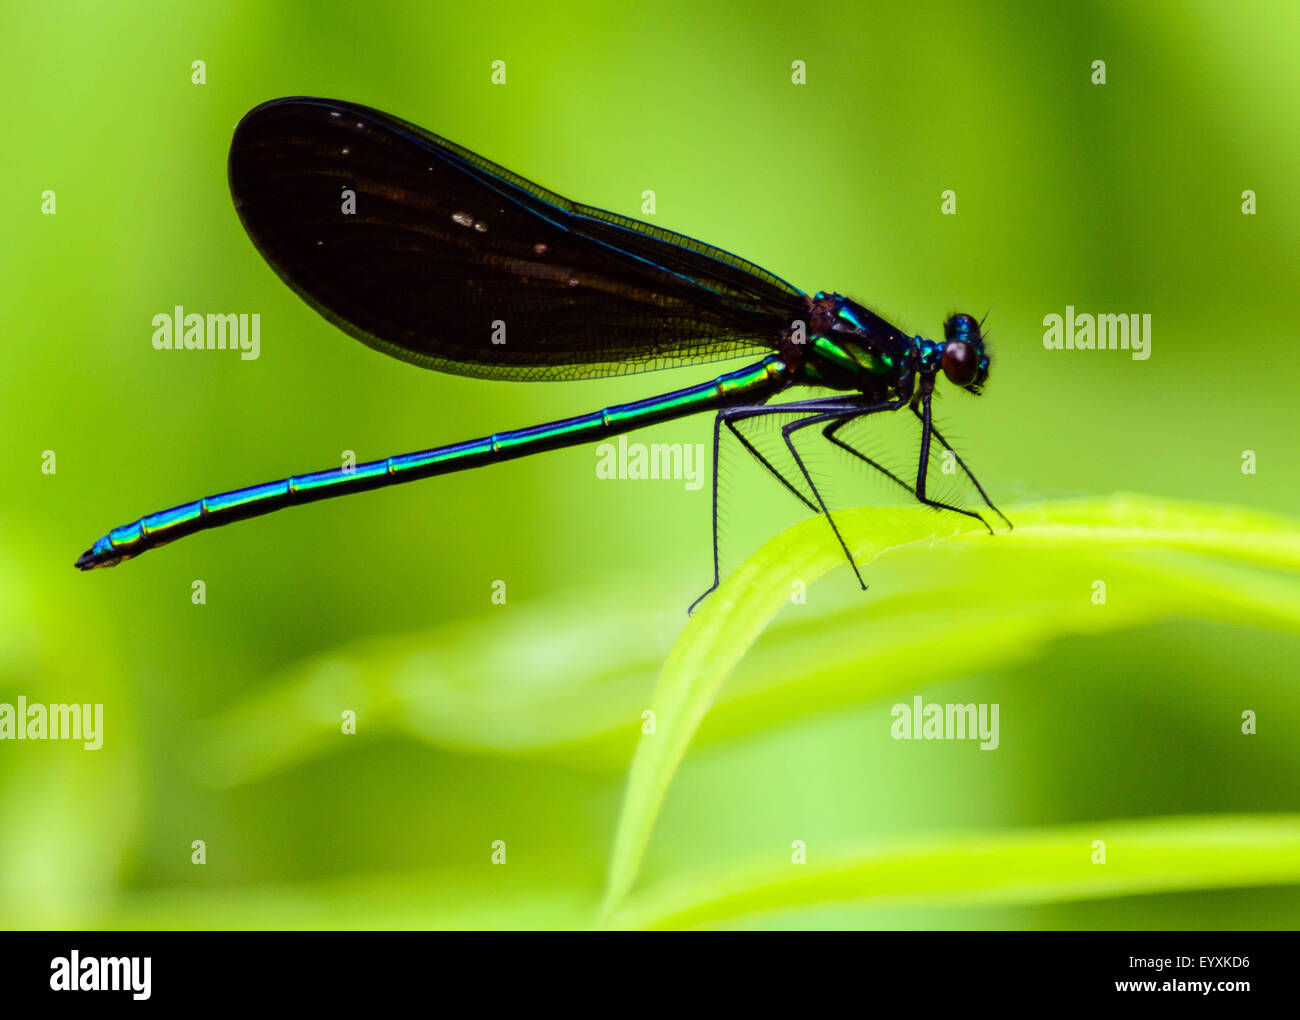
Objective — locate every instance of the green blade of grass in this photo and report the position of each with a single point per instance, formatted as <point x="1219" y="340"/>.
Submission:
<point x="1187" y="556"/>
<point x="1019" y="867"/>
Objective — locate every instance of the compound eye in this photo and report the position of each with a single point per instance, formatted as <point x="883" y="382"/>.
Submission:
<point x="960" y="363"/>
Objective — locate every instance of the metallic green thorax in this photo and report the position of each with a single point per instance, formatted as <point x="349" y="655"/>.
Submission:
<point x="860" y="359"/>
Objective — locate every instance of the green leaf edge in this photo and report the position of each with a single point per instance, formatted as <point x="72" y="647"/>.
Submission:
<point x="731" y="619"/>
<point x="1020" y="867"/>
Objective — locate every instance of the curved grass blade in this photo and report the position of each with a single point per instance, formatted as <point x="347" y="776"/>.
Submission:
<point x="1135" y="531"/>
<point x="1023" y="867"/>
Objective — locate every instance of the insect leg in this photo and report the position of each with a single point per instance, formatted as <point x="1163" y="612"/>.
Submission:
<point x="924" y="463"/>
<point x="969" y="474"/>
<point x="731" y="416"/>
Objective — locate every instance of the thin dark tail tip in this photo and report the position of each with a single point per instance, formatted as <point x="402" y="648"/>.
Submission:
<point x="98" y="556"/>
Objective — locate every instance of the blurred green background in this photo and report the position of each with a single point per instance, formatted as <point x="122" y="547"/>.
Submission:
<point x="1117" y="198"/>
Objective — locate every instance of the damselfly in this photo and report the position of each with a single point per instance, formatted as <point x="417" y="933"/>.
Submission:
<point x="437" y="253"/>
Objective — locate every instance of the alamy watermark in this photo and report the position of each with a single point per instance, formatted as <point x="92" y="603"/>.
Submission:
<point x="77" y="973"/>
<point x="1101" y="332"/>
<point x="182" y="331"/>
<point x="656" y="461"/>
<point x="53" y="722"/>
<point x="919" y="721"/>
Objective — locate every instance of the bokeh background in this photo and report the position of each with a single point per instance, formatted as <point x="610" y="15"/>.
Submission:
<point x="1119" y="198"/>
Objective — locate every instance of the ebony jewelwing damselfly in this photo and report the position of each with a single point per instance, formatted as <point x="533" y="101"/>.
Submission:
<point x="443" y="248"/>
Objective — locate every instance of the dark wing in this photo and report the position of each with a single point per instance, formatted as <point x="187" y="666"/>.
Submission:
<point x="445" y="248"/>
